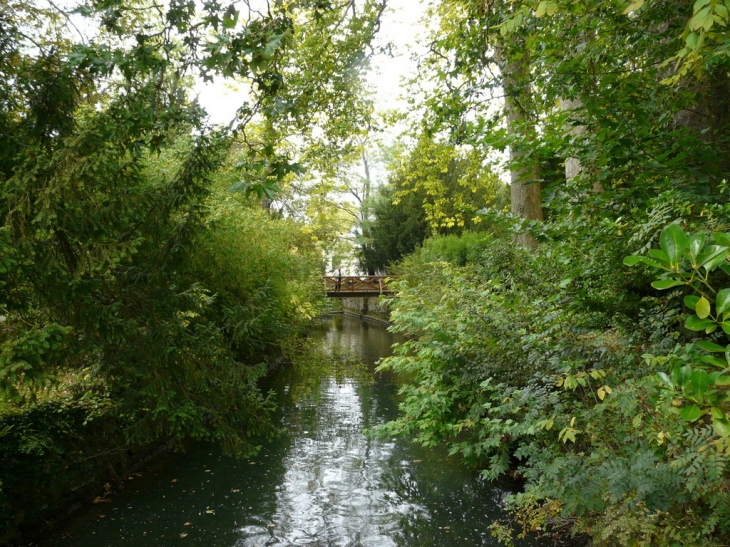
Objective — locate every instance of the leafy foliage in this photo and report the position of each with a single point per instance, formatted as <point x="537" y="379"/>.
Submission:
<point x="135" y="292"/>
<point x="549" y="366"/>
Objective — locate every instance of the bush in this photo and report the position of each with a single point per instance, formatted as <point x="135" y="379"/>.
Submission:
<point x="561" y="366"/>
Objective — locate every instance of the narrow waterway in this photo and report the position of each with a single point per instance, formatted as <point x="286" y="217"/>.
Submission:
<point x="323" y="483"/>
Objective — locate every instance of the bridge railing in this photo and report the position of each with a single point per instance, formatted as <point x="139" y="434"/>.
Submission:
<point x="371" y="284"/>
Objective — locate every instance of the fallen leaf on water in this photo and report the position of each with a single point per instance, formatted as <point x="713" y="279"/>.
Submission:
<point x="187" y="524"/>
<point x="101" y="516"/>
<point x="235" y="490"/>
<point x="183" y="535"/>
<point x="210" y="511"/>
<point x="99" y="499"/>
<point x="173" y="480"/>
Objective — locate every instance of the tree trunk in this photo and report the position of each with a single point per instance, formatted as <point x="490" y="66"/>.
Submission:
<point x="525" y="170"/>
<point x="572" y="165"/>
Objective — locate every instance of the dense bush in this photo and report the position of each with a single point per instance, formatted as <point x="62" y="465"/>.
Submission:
<point x="563" y="365"/>
<point x="153" y="297"/>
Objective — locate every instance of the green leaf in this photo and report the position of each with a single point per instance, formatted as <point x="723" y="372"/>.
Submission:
<point x="230" y="18"/>
<point x="673" y="241"/>
<point x="681" y="375"/>
<point x="691" y="301"/>
<point x="633" y="260"/>
<point x="695" y="246"/>
<point x="692" y="40"/>
<point x="665" y="379"/>
<point x="703" y="308"/>
<point x="711" y="346"/>
<point x="722" y="302"/>
<point x="717" y="413"/>
<point x="659" y="255"/>
<point x="722" y="381"/>
<point x="701" y="381"/>
<point x="695" y="323"/>
<point x="712" y="360"/>
<point x="690" y="413"/>
<point x="663" y="284"/>
<point x="712" y="257"/>
<point x="722" y="238"/>
<point x="541" y="8"/>
<point x="721" y="427"/>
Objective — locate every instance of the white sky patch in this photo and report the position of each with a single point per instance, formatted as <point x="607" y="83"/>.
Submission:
<point x="402" y="26"/>
<point x="221" y="98"/>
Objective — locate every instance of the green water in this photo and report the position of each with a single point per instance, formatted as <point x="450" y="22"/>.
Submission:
<point x="322" y="484"/>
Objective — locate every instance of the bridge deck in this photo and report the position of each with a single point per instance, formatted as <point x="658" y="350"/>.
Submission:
<point x="349" y="286"/>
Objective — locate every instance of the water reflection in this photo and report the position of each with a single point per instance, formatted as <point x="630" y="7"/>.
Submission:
<point x="323" y="484"/>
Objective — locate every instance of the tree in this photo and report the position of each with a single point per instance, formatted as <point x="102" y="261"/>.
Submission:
<point x="433" y="189"/>
<point x="106" y="172"/>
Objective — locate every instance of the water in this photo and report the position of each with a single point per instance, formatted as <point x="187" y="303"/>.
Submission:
<point x="322" y="484"/>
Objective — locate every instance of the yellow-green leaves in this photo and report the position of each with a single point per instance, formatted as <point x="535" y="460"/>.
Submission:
<point x="568" y="433"/>
<point x="704" y="38"/>
<point x="633" y="6"/>
<point x="546" y="7"/>
<point x="702" y="309"/>
<point x="706" y="14"/>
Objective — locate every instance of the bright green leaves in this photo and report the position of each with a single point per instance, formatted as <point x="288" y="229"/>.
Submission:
<point x="264" y="175"/>
<point x="696" y="324"/>
<point x="688" y="261"/>
<point x="583" y="379"/>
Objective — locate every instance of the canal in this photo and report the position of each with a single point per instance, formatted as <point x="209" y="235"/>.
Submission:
<point x="322" y="483"/>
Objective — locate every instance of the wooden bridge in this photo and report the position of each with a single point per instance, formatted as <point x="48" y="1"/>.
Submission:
<point x="346" y="286"/>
